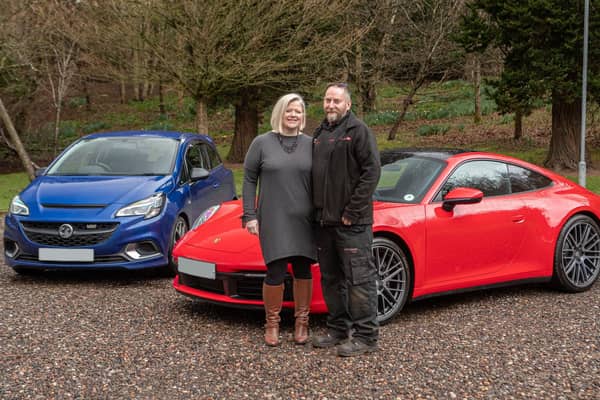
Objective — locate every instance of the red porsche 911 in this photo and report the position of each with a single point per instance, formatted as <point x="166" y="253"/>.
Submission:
<point x="445" y="221"/>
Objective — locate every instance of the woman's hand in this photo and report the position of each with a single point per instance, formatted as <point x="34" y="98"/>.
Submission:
<point x="252" y="227"/>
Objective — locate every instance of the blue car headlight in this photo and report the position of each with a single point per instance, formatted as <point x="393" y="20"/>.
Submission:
<point x="205" y="216"/>
<point x="148" y="207"/>
<point x="18" y="207"/>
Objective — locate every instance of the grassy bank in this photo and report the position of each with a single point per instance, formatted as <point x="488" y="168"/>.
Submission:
<point x="11" y="184"/>
<point x="441" y="116"/>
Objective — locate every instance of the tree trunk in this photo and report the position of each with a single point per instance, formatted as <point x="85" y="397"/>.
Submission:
<point x="136" y="90"/>
<point x="477" y="85"/>
<point x="180" y="100"/>
<point x="201" y="116"/>
<point x="14" y="137"/>
<point x="86" y="93"/>
<point x="370" y="96"/>
<point x="565" y="140"/>
<point x="518" y="134"/>
<point x="161" y="99"/>
<point x="358" y="80"/>
<point x="408" y="100"/>
<point x="137" y="95"/>
<point x="122" y="92"/>
<point x="145" y="89"/>
<point x="246" y="126"/>
<point x="346" y="70"/>
<point x="56" y="128"/>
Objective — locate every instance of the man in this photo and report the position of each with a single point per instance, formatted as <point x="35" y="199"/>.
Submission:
<point x="345" y="172"/>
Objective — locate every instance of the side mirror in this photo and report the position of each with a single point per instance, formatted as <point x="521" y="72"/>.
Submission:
<point x="39" y="171"/>
<point x="461" y="195"/>
<point x="199" y="173"/>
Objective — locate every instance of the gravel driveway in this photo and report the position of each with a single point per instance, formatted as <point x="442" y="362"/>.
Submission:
<point x="131" y="336"/>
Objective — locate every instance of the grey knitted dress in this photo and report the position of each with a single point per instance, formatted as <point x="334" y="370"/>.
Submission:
<point x="284" y="207"/>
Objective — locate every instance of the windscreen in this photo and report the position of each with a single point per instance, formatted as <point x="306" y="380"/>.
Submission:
<point x="408" y="179"/>
<point x="118" y="156"/>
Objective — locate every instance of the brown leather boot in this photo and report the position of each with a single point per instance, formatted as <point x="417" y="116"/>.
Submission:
<point x="302" y="298"/>
<point x="272" y="297"/>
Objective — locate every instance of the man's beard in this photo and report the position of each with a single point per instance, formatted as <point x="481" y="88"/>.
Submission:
<point x="333" y="117"/>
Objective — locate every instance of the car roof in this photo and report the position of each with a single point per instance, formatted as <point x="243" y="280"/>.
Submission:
<point x="391" y="155"/>
<point x="141" y="133"/>
<point x="456" y="156"/>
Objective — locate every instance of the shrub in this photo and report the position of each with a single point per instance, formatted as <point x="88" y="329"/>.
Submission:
<point x="161" y="126"/>
<point x="95" y="127"/>
<point x="76" y="102"/>
<point x="507" y="119"/>
<point x="381" y="118"/>
<point x="68" y="129"/>
<point x="431" y="130"/>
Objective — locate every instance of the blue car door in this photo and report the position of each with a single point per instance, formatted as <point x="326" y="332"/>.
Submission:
<point x="201" y="193"/>
<point x="221" y="178"/>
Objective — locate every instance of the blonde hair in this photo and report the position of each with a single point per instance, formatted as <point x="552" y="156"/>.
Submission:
<point x="279" y="111"/>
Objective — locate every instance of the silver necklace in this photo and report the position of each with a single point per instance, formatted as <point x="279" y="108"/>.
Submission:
<point x="288" y="148"/>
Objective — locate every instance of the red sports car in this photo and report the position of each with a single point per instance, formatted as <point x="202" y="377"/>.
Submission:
<point x="445" y="221"/>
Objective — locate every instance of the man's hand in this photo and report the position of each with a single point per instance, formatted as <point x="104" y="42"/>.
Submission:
<point x="346" y="221"/>
<point x="252" y="227"/>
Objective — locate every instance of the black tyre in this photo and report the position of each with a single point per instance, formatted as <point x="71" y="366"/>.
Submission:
<point x="180" y="228"/>
<point x="395" y="278"/>
<point x="577" y="255"/>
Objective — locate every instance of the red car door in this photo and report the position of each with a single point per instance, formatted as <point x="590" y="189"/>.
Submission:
<point x="474" y="244"/>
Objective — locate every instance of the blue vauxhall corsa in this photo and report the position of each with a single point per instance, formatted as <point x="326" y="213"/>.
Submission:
<point x="117" y="200"/>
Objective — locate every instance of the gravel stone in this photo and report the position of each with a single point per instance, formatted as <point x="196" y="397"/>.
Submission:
<point x="110" y="335"/>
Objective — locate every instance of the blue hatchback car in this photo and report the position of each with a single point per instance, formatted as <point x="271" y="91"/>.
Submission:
<point x="115" y="200"/>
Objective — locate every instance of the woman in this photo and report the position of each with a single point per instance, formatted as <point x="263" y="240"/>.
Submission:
<point x="279" y="162"/>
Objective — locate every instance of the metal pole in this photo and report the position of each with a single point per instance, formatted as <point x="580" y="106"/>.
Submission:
<point x="582" y="165"/>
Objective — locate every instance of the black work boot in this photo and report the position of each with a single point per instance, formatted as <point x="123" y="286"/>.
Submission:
<point x="329" y="339"/>
<point x="355" y="347"/>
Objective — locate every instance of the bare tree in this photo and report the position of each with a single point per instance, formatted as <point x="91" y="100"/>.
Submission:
<point x="240" y="52"/>
<point x="17" y="145"/>
<point x="16" y="83"/>
<point x="43" y="46"/>
<point x="60" y="75"/>
<point x="368" y="60"/>
<point x="422" y="43"/>
<point x="474" y="72"/>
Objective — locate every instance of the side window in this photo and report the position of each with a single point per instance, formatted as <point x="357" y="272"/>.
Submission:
<point x="488" y="176"/>
<point x="523" y="180"/>
<point x="213" y="157"/>
<point x="205" y="158"/>
<point x="210" y="156"/>
<point x="194" y="158"/>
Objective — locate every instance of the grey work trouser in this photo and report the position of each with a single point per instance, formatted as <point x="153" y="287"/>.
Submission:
<point x="349" y="280"/>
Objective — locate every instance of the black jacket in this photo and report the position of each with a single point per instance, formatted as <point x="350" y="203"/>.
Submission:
<point x="351" y="174"/>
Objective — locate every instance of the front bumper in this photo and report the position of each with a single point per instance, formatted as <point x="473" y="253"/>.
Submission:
<point x="243" y="289"/>
<point x="21" y="247"/>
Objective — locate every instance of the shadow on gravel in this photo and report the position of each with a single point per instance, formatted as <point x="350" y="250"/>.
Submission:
<point x="78" y="277"/>
<point x="443" y="304"/>
<point x="481" y="298"/>
<point x="238" y="316"/>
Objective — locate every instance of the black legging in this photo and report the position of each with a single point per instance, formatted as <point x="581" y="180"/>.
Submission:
<point x="276" y="269"/>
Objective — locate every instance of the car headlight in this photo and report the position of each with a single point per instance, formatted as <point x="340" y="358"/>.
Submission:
<point x="205" y="216"/>
<point x="18" y="207"/>
<point x="149" y="207"/>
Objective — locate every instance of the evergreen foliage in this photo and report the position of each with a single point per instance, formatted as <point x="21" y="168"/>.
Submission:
<point x="542" y="41"/>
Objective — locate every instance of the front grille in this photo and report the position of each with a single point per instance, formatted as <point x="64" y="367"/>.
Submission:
<point x="239" y="285"/>
<point x="113" y="258"/>
<point x="84" y="234"/>
<point x="207" y="285"/>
